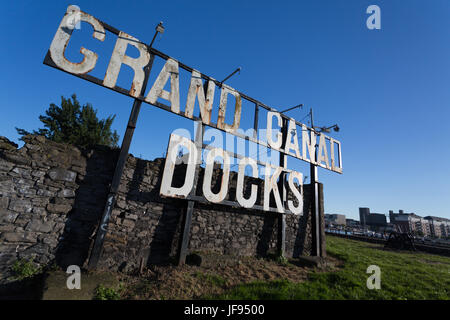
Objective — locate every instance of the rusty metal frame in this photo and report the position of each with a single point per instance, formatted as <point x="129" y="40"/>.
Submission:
<point x="220" y="125"/>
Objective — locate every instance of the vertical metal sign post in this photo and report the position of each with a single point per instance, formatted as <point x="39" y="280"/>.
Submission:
<point x="190" y="206"/>
<point x="281" y="234"/>
<point x="315" y="200"/>
<point x="111" y="200"/>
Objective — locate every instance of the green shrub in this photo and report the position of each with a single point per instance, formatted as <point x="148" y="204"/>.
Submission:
<point x="24" y="269"/>
<point x="103" y="293"/>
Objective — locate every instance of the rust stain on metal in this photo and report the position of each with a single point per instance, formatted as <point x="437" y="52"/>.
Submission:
<point x="133" y="89"/>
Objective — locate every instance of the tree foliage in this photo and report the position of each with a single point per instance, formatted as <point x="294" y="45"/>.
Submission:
<point x="75" y="124"/>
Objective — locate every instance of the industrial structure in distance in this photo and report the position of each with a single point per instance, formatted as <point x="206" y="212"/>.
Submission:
<point x="376" y="224"/>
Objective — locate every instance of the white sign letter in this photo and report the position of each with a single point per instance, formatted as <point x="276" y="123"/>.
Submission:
<point x="308" y="142"/>
<point x="166" y="185"/>
<point x="299" y="195"/>
<point x="277" y="144"/>
<point x="223" y="107"/>
<point x="62" y="37"/>
<point x="333" y="160"/>
<point x="137" y="64"/>
<point x="250" y="202"/>
<point x="170" y="69"/>
<point x="292" y="133"/>
<point x="270" y="183"/>
<point x="323" y="153"/>
<point x="205" y="103"/>
<point x="212" y="155"/>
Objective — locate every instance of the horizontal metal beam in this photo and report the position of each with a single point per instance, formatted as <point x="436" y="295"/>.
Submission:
<point x="235" y="204"/>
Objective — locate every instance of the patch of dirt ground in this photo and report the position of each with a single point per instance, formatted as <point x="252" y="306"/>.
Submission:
<point x="216" y="274"/>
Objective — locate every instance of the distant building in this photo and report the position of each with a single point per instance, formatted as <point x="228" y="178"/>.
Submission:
<point x="428" y="226"/>
<point x="376" y="221"/>
<point x="439" y="227"/>
<point x="400" y="220"/>
<point x="352" y="223"/>
<point x="363" y="213"/>
<point x="390" y="227"/>
<point x="335" y="219"/>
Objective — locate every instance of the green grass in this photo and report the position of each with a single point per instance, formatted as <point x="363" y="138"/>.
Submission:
<point x="214" y="280"/>
<point x="404" y="275"/>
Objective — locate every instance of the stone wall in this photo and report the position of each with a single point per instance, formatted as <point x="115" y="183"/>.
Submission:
<point x="52" y="196"/>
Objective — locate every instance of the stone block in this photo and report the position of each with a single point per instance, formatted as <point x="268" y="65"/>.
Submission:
<point x="45" y="193"/>
<point x="19" y="237"/>
<point x="39" y="226"/>
<point x="5" y="166"/>
<point x="26" y="191"/>
<point x="58" y="208"/>
<point x="7" y="228"/>
<point x="132" y="217"/>
<point x="20" y="205"/>
<point x="38" y="173"/>
<point x="66" y="193"/>
<point x="16" y="158"/>
<point x="4" y="202"/>
<point x="8" y="216"/>
<point x="26" y="173"/>
<point x="128" y="223"/>
<point x="59" y="174"/>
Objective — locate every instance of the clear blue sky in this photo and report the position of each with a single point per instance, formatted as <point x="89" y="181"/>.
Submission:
<point x="388" y="89"/>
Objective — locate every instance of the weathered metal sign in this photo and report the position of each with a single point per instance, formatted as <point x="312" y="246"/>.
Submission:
<point x="293" y="139"/>
<point x="301" y="146"/>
